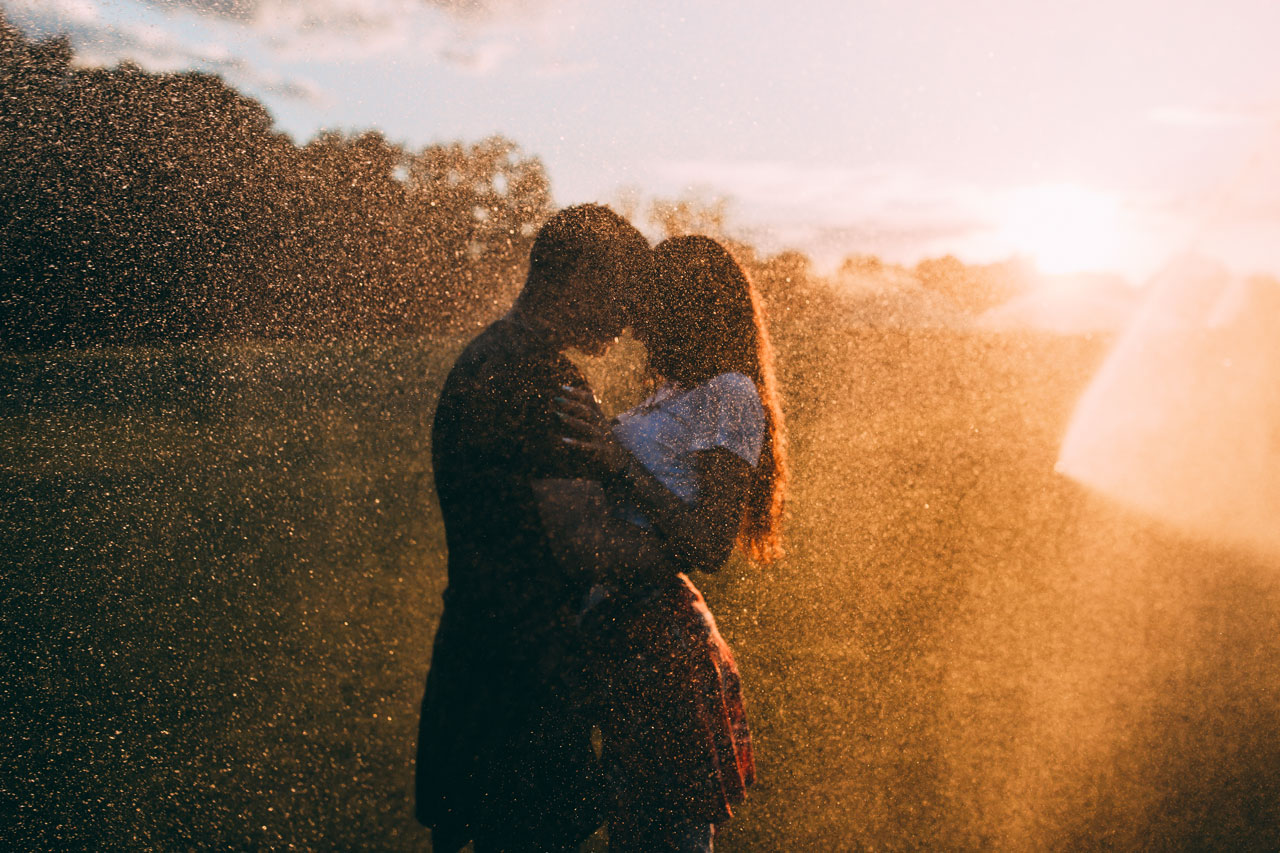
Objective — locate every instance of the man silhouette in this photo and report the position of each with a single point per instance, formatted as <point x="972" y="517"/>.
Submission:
<point x="504" y="753"/>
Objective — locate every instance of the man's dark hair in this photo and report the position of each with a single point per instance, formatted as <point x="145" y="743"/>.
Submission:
<point x="588" y="243"/>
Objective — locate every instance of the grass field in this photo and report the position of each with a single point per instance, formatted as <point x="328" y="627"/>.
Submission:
<point x="224" y="566"/>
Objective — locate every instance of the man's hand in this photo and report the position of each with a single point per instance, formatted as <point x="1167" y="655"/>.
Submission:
<point x="587" y="429"/>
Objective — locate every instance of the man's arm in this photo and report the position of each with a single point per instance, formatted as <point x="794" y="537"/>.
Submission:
<point x="588" y="539"/>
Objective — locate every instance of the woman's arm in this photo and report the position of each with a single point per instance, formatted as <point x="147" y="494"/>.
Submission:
<point x="589" y="540"/>
<point x="699" y="535"/>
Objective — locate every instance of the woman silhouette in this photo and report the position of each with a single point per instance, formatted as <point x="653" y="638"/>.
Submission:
<point x="701" y="464"/>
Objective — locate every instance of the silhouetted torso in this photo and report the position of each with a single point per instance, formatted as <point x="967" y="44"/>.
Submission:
<point x="501" y="743"/>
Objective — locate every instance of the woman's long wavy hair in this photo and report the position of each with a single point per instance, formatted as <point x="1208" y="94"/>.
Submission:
<point x="707" y="319"/>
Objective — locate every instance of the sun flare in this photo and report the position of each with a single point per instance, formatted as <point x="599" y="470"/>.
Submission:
<point x="1065" y="228"/>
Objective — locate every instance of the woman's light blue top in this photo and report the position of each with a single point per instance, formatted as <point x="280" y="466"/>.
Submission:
<point x="663" y="432"/>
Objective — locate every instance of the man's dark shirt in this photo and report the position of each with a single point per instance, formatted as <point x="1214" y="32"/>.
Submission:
<point x="501" y="746"/>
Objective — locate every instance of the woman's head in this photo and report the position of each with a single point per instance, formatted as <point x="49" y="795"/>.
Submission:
<point x="704" y="319"/>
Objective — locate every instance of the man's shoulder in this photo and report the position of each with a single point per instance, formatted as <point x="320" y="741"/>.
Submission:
<point x="497" y="377"/>
<point x="505" y="351"/>
<point x="481" y="367"/>
<point x="493" y="343"/>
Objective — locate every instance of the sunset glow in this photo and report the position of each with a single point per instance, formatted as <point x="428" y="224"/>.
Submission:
<point x="1065" y="228"/>
<point x="1089" y="137"/>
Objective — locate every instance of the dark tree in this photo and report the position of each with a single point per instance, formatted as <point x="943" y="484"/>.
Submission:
<point x="142" y="207"/>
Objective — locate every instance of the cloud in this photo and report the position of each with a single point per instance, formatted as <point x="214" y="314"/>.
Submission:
<point x="470" y="36"/>
<point x="828" y="194"/>
<point x="464" y="9"/>
<point x="473" y="36"/>
<point x="897" y="212"/>
<point x="480" y="59"/>
<point x="51" y="17"/>
<point x="497" y="9"/>
<point x="1196" y="118"/>
<point x="341" y="30"/>
<point x="293" y="87"/>
<point x="101" y="42"/>
<point x="226" y="8"/>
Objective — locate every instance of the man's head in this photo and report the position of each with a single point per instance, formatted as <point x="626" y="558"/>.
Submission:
<point x="588" y="268"/>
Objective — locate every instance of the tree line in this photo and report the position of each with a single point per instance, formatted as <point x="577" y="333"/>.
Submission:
<point x="145" y="208"/>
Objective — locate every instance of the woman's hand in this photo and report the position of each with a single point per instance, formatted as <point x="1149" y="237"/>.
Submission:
<point x="587" y="429"/>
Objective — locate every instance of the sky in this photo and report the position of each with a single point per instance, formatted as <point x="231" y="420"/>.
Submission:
<point x="1097" y="135"/>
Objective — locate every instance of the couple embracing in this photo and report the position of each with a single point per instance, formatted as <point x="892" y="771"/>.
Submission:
<point x="578" y="677"/>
